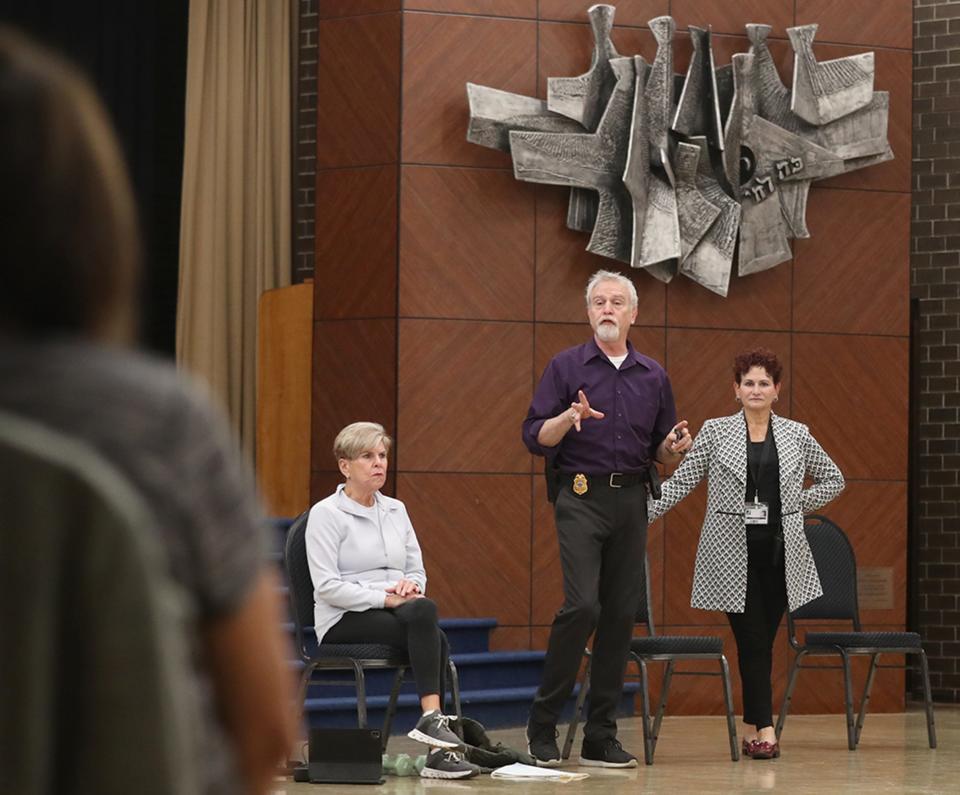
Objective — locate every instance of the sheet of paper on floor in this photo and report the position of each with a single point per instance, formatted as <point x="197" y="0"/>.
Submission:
<point x="520" y="772"/>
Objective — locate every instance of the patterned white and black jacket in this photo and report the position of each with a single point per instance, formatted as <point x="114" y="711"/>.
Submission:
<point x="720" y="453"/>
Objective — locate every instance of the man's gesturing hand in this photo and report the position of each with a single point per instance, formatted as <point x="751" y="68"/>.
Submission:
<point x="580" y="410"/>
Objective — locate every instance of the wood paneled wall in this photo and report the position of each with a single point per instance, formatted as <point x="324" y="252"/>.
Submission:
<point x="443" y="286"/>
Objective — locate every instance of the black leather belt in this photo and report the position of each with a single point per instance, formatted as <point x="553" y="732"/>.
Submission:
<point x="581" y="483"/>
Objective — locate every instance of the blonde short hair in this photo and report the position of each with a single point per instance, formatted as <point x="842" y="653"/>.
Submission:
<point x="359" y="437"/>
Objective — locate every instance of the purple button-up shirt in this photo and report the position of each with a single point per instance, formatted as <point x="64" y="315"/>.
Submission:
<point x="637" y="402"/>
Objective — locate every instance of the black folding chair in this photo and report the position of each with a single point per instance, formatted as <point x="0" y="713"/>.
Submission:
<point x="354" y="657"/>
<point x="837" y="567"/>
<point x="668" y="649"/>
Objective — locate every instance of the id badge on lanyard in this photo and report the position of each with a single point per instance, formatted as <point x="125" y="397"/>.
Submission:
<point x="757" y="512"/>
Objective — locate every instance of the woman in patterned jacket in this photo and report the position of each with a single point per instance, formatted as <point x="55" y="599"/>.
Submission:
<point x="753" y="559"/>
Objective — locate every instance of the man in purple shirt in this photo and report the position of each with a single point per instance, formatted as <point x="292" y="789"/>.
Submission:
<point x="619" y="406"/>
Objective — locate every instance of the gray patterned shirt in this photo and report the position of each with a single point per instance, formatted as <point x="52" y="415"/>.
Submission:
<point x="161" y="432"/>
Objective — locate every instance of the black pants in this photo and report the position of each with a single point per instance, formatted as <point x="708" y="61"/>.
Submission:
<point x="412" y="626"/>
<point x="602" y="540"/>
<point x="755" y="630"/>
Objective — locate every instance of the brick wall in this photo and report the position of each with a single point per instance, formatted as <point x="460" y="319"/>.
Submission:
<point x="935" y="288"/>
<point x="305" y="165"/>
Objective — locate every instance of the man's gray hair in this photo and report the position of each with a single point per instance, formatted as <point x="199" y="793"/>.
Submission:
<point x="612" y="276"/>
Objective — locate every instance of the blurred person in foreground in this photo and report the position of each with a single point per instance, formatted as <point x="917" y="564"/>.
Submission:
<point x="369" y="584"/>
<point x="753" y="559"/>
<point x="69" y="271"/>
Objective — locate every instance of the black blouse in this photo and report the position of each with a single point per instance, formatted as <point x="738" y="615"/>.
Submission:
<point x="762" y="541"/>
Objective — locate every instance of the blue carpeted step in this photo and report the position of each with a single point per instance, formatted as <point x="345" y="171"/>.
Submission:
<point x="494" y="708"/>
<point x="468" y="635"/>
<point x="499" y="669"/>
<point x="478" y="671"/>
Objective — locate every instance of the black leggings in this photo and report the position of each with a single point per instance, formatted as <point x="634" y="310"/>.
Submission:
<point x="413" y="627"/>
<point x="755" y="629"/>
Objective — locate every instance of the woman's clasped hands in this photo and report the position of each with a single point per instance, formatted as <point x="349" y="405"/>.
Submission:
<point x="400" y="592"/>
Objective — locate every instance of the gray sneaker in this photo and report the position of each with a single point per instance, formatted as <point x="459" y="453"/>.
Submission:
<point x="433" y="728"/>
<point x="448" y="764"/>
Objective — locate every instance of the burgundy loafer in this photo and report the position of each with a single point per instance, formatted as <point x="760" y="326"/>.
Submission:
<point x="762" y="750"/>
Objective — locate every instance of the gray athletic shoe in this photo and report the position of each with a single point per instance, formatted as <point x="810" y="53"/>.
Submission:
<point x="442" y="763"/>
<point x="433" y="729"/>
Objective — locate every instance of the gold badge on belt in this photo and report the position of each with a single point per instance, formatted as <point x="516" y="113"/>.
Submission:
<point x="580" y="486"/>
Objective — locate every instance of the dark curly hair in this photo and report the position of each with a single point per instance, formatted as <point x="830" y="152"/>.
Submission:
<point x="757" y="357"/>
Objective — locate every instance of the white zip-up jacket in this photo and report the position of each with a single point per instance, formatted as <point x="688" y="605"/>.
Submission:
<point x="355" y="553"/>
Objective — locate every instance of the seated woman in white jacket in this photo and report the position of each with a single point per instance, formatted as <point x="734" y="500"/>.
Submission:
<point x="369" y="583"/>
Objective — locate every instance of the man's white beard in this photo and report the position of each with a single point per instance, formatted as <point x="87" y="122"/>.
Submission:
<point x="608" y="332"/>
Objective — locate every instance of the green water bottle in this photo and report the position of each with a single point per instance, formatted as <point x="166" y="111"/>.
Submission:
<point x="399" y="765"/>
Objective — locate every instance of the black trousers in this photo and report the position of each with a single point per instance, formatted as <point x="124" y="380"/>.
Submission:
<point x="602" y="538"/>
<point x="412" y="626"/>
<point x="755" y="630"/>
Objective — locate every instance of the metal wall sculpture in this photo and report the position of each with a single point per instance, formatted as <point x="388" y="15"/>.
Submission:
<point x="683" y="173"/>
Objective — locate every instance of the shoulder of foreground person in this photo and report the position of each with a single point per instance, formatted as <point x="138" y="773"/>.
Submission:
<point x="178" y="448"/>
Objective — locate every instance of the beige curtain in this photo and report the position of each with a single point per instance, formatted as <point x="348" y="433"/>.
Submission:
<point x="235" y="218"/>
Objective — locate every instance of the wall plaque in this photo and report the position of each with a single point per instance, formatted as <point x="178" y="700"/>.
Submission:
<point x="875" y="587"/>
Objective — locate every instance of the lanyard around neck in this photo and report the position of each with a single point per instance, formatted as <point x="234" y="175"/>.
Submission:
<point x="764" y="456"/>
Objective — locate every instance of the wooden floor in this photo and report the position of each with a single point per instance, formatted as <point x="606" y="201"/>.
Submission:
<point x="692" y="756"/>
